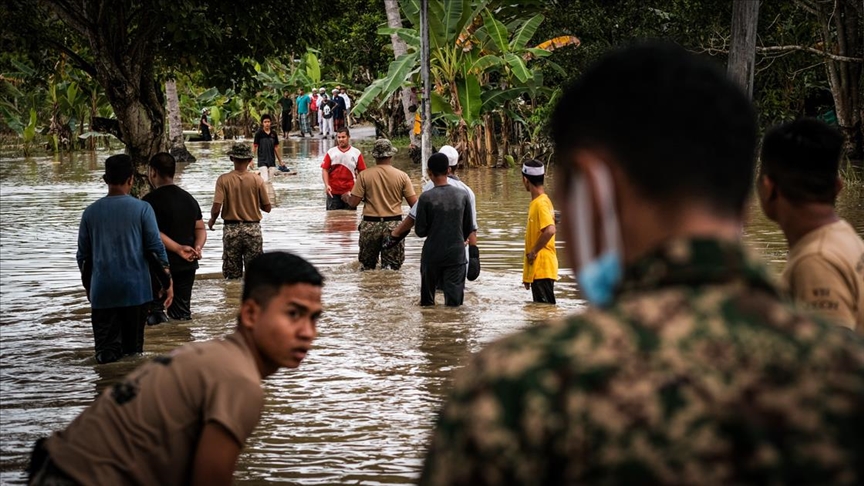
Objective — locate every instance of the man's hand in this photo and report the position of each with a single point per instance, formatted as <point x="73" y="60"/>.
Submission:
<point x="198" y="253"/>
<point x="169" y="294"/>
<point x="345" y="197"/>
<point x="531" y="256"/>
<point x="210" y="223"/>
<point x="328" y="190"/>
<point x="187" y="253"/>
<point x="390" y="241"/>
<point x="527" y="285"/>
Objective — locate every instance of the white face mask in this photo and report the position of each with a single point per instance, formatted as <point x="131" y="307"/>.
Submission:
<point x="600" y="271"/>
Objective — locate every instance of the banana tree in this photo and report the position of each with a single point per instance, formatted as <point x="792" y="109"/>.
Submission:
<point x="479" y="65"/>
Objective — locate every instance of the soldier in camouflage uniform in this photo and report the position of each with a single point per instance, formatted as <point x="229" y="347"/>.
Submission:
<point x="687" y="368"/>
<point x="240" y="197"/>
<point x="382" y="187"/>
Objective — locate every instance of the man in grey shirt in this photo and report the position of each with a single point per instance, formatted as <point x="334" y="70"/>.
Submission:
<point x="444" y="218"/>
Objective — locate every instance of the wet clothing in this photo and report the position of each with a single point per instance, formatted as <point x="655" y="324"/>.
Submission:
<point x="444" y="218"/>
<point x="450" y="279"/>
<point x="825" y="274"/>
<point x="372" y="235"/>
<point x="118" y="331"/>
<point x="114" y="237"/>
<point x="114" y="234"/>
<point x="543" y="290"/>
<point x="335" y="203"/>
<point x="181" y="306"/>
<point x="382" y="188"/>
<point x="698" y="373"/>
<point x="342" y="165"/>
<point x="241" y="243"/>
<point x="205" y="129"/>
<point x="453" y="181"/>
<point x="145" y="429"/>
<point x="267" y="144"/>
<point x="177" y="212"/>
<point x="242" y="194"/>
<point x="540" y="215"/>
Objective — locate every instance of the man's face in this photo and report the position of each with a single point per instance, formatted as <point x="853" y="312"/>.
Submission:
<point x="266" y="123"/>
<point x="284" y="328"/>
<point x="343" y="140"/>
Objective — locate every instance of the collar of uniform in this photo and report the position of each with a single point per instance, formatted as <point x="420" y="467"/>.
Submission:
<point x="694" y="262"/>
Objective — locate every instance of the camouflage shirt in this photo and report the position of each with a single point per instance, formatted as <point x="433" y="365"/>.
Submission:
<point x="698" y="374"/>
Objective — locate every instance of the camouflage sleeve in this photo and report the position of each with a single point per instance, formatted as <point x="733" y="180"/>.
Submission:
<point x="494" y="426"/>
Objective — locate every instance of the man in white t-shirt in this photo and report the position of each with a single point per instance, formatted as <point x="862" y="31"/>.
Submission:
<point x="341" y="165"/>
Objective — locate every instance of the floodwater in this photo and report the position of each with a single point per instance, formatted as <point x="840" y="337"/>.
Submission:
<point x="360" y="407"/>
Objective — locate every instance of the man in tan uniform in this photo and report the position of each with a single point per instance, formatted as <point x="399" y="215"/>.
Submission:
<point x="183" y="418"/>
<point x="798" y="184"/>
<point x="240" y="197"/>
<point x="382" y="187"/>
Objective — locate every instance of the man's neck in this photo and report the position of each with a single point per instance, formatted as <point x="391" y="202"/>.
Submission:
<point x="440" y="180"/>
<point x="160" y="182"/>
<point x="241" y="167"/>
<point x="800" y="220"/>
<point x="116" y="190"/>
<point x="647" y="229"/>
<point x="536" y="191"/>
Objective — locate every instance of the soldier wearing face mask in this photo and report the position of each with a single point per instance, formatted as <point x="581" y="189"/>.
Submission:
<point x="688" y="367"/>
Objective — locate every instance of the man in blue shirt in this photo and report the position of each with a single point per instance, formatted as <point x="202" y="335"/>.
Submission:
<point x="118" y="244"/>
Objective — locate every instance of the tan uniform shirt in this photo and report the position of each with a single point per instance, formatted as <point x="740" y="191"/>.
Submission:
<point x="825" y="274"/>
<point x="241" y="195"/>
<point x="383" y="187"/>
<point x="144" y="430"/>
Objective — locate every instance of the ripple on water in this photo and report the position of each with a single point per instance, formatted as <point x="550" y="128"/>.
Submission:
<point x="360" y="408"/>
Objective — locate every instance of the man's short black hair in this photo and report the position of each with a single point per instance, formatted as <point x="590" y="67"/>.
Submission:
<point x="164" y="164"/>
<point x="803" y="158"/>
<point x="438" y="164"/>
<point x="268" y="272"/>
<point x="673" y="121"/>
<point x="118" y="169"/>
<point x="266" y="116"/>
<point x="344" y="130"/>
<point x="534" y="180"/>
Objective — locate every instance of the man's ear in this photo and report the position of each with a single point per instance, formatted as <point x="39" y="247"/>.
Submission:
<point x="249" y="311"/>
<point x="768" y="187"/>
<point x="838" y="186"/>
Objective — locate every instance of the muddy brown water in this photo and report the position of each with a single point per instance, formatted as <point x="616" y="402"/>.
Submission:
<point x="360" y="408"/>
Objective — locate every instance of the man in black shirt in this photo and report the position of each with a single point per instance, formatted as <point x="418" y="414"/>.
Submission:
<point x="266" y="145"/>
<point x="287" y="105"/>
<point x="181" y="227"/>
<point x="444" y="218"/>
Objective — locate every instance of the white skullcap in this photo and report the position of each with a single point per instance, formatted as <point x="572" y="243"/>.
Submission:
<point x="533" y="171"/>
<point x="451" y="153"/>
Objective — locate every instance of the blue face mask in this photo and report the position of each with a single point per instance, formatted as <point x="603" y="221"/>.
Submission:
<point x="599" y="272"/>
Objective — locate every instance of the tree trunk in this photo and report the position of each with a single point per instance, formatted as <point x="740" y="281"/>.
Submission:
<point x="742" y="54"/>
<point x="394" y="21"/>
<point x="844" y="78"/>
<point x="176" y="142"/>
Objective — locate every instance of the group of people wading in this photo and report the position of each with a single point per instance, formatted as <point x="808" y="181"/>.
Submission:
<point x="690" y="365"/>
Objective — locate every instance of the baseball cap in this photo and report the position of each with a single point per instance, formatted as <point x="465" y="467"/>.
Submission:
<point x="451" y="153"/>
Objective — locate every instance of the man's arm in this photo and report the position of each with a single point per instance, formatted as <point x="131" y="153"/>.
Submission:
<point x="276" y="149"/>
<point x="153" y="245"/>
<point x="215" y="457"/>
<point x="819" y="287"/>
<point x="200" y="237"/>
<point x="185" y="252"/>
<point x="546" y="234"/>
<point x="467" y="222"/>
<point x="411" y="200"/>
<point x="214" y="213"/>
<point x="351" y="200"/>
<point x="421" y="223"/>
<point x="325" y="176"/>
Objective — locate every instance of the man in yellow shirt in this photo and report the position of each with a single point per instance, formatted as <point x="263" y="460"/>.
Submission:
<point x="540" y="266"/>
<point x="798" y="184"/>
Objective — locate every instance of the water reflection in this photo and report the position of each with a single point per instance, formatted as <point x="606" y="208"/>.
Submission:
<point x="361" y="406"/>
